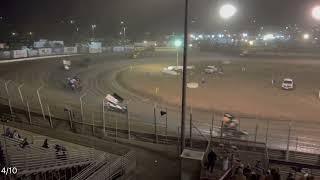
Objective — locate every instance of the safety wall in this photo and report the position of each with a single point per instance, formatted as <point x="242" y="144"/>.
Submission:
<point x="4" y="54"/>
<point x="19" y="54"/>
<point x="58" y="50"/>
<point x="95" y="50"/>
<point x="32" y="52"/>
<point x="118" y="49"/>
<point x="70" y="50"/>
<point x="45" y="52"/>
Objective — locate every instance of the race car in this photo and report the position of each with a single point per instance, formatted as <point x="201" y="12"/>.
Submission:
<point x="287" y="84"/>
<point x="211" y="69"/>
<point x="230" y="126"/>
<point x="229" y="121"/>
<point x="74" y="83"/>
<point x="66" y="64"/>
<point x="115" y="103"/>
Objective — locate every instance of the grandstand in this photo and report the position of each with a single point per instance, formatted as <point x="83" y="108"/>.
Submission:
<point x="70" y="161"/>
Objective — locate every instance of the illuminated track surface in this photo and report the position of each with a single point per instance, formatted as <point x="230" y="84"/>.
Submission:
<point x="98" y="79"/>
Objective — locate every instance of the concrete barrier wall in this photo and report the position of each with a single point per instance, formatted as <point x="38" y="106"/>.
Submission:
<point x="19" y="53"/>
<point x="70" y="50"/>
<point x="45" y="52"/>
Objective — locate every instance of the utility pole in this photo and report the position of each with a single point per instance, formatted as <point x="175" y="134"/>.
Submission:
<point x="184" y="76"/>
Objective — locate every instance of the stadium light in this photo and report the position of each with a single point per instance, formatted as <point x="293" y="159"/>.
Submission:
<point x="177" y="43"/>
<point x="306" y="36"/>
<point x="268" y="37"/>
<point x="227" y="11"/>
<point x="316" y="12"/>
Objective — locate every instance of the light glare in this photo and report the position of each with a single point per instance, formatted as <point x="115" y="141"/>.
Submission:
<point x="227" y="11"/>
<point x="316" y="12"/>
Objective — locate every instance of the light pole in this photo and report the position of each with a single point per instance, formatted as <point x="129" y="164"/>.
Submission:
<point x="184" y="77"/>
<point x="8" y="96"/>
<point x="177" y="44"/>
<point x="40" y="102"/>
<point x="81" y="106"/>
<point x="93" y="27"/>
<point x="124" y="32"/>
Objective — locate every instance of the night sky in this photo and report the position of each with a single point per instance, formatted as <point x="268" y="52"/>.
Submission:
<point x="156" y="16"/>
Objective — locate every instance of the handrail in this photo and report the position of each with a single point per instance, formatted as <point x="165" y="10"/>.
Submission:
<point x="227" y="173"/>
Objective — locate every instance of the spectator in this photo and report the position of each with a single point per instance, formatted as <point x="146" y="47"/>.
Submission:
<point x="57" y="147"/>
<point x="239" y="175"/>
<point x="16" y="135"/>
<point x="310" y="177"/>
<point x="247" y="171"/>
<point x="212" y="157"/>
<point x="268" y="175"/>
<point x="24" y="143"/>
<point x="8" y="133"/>
<point x="253" y="176"/>
<point x="61" y="152"/>
<point x="45" y="144"/>
<point x="2" y="158"/>
<point x="290" y="177"/>
<point x="275" y="174"/>
<point x="258" y="169"/>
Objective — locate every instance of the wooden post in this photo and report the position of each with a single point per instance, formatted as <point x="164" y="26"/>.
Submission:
<point x="178" y="144"/>
<point x="70" y="118"/>
<point x="166" y="125"/>
<point x="212" y="120"/>
<point x="92" y="123"/>
<point x="20" y="93"/>
<point x="210" y="135"/>
<point x="155" y="123"/>
<point x="40" y="102"/>
<point x="116" y="133"/>
<point x="128" y="120"/>
<point x="288" y="143"/>
<point x="103" y="119"/>
<point x="267" y="133"/>
<point x="221" y="130"/>
<point x="29" y="113"/>
<point x="190" y="129"/>
<point x="8" y="96"/>
<point x="50" y="120"/>
<point x="256" y="133"/>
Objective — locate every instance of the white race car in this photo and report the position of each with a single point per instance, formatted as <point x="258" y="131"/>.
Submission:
<point x="211" y="69"/>
<point x="66" y="64"/>
<point x="287" y="84"/>
<point x="115" y="103"/>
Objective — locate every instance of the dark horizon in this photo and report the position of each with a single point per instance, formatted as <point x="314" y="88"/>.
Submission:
<point x="46" y="18"/>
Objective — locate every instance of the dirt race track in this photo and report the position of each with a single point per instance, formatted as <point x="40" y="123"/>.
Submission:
<point x="249" y="94"/>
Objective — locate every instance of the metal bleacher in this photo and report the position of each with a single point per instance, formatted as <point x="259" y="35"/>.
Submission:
<point x="34" y="159"/>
